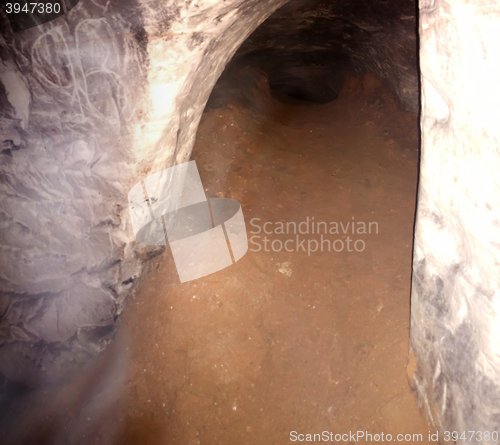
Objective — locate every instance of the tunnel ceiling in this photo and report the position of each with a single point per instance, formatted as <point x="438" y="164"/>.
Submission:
<point x="94" y="101"/>
<point x="321" y="41"/>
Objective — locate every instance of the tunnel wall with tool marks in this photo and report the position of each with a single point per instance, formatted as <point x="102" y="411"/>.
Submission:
<point x="455" y="326"/>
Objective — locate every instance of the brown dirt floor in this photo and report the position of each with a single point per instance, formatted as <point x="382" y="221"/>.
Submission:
<point x="286" y="341"/>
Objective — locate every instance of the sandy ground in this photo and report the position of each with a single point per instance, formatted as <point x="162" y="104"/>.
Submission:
<point x="287" y="341"/>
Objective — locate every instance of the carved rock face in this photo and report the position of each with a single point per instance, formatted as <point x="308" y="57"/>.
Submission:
<point x="455" y="280"/>
<point x="98" y="98"/>
<point x="92" y="102"/>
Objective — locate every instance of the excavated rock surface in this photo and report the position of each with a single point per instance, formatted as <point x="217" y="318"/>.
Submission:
<point x="112" y="91"/>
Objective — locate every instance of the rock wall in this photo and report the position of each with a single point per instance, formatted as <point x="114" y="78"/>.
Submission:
<point x="455" y="319"/>
<point x="97" y="99"/>
<point x="92" y="102"/>
<point x="112" y="91"/>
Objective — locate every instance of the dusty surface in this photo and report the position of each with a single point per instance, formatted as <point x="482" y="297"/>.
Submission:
<point x="286" y="341"/>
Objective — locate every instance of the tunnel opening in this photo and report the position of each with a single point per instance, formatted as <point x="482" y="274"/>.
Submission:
<point x="312" y="128"/>
<point x="311" y="327"/>
<point x="314" y="76"/>
<point x="98" y="100"/>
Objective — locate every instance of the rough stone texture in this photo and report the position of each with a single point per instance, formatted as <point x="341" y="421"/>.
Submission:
<point x="91" y="103"/>
<point x="97" y="99"/>
<point x="455" y="332"/>
<point x="361" y="35"/>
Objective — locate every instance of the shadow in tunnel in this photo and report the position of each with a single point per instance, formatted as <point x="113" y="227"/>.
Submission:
<point x="308" y="129"/>
<point x="309" y="330"/>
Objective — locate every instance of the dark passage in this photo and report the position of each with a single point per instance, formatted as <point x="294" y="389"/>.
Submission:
<point x="312" y="128"/>
<point x="309" y="331"/>
<point x="295" y="337"/>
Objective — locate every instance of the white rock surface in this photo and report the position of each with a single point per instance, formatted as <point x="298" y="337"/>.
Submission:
<point x="456" y="294"/>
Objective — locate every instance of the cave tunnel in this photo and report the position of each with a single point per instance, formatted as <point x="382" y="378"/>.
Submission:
<point x="249" y="222"/>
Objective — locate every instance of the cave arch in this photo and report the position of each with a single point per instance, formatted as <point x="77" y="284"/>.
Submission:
<point x="67" y="251"/>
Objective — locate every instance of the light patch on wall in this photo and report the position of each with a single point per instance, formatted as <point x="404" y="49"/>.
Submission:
<point x="479" y="106"/>
<point x="17" y="92"/>
<point x="478" y="180"/>
<point x="440" y="244"/>
<point x="495" y="329"/>
<point x="434" y="102"/>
